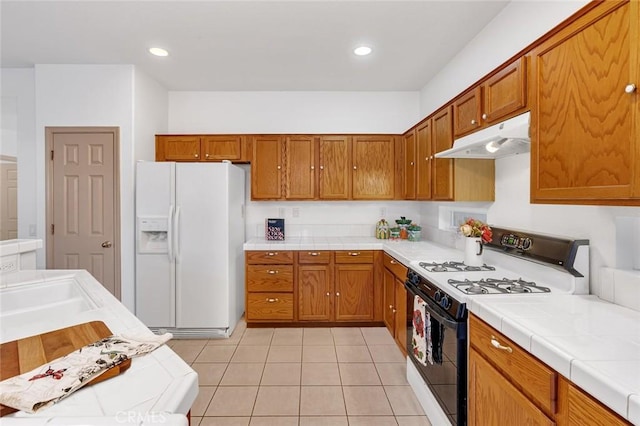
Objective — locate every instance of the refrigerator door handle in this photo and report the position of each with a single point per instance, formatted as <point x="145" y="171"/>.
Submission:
<point x="170" y="234"/>
<point x="176" y="236"/>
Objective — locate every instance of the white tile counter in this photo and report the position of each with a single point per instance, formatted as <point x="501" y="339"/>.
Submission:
<point x="592" y="342"/>
<point x="157" y="386"/>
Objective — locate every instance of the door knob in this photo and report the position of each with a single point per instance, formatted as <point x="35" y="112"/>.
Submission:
<point x="106" y="244"/>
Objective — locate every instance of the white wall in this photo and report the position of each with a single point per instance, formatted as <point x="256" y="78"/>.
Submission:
<point x="292" y="112"/>
<point x="17" y="85"/>
<point x="519" y="24"/>
<point x="151" y="114"/>
<point x="90" y="95"/>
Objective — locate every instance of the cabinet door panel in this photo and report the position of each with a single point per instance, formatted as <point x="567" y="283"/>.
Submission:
<point x="402" y="321"/>
<point x="584" y="137"/>
<point x="266" y="168"/>
<point x="335" y="167"/>
<point x="301" y="174"/>
<point x="389" y="284"/>
<point x="373" y="167"/>
<point x="442" y="167"/>
<point x="314" y="293"/>
<point x="424" y="160"/>
<point x="505" y="92"/>
<point x="177" y="148"/>
<point x="410" y="166"/>
<point x="354" y="293"/>
<point x="495" y="401"/>
<point x="466" y="112"/>
<point x="221" y="147"/>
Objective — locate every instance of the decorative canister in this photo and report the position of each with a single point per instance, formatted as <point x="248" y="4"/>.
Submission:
<point x="382" y="230"/>
<point x="414" y="232"/>
<point x="403" y="223"/>
<point x="394" y="233"/>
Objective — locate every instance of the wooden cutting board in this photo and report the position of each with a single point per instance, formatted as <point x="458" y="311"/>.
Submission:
<point x="20" y="356"/>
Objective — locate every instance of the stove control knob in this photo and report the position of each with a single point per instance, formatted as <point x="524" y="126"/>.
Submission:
<point x="526" y="244"/>
<point x="437" y="296"/>
<point x="445" y="302"/>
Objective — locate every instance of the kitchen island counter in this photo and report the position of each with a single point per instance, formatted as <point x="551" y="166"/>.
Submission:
<point x="158" y="387"/>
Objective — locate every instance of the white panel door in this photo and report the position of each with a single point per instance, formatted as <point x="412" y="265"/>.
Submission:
<point x="155" y="272"/>
<point x="202" y="288"/>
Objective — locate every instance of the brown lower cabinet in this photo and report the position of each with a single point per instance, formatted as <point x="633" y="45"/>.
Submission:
<point x="307" y="287"/>
<point x="509" y="386"/>
<point x="395" y="300"/>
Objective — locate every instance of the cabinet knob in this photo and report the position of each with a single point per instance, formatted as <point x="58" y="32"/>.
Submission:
<point x="393" y="262"/>
<point x="272" y="299"/>
<point x="427" y="158"/>
<point x="321" y="167"/>
<point x="431" y="157"/>
<point x="473" y="121"/>
<point x="196" y="155"/>
<point x="314" y="253"/>
<point x="328" y="294"/>
<point x="394" y="311"/>
<point x="354" y="253"/>
<point x="271" y="253"/>
<point x="411" y="163"/>
<point x="355" y="167"/>
<point x="484" y="116"/>
<point x="390" y="306"/>
<point x="272" y="272"/>
<point x="630" y="88"/>
<point x="338" y="294"/>
<point x="313" y="168"/>
<point x="206" y="155"/>
<point x="279" y="167"/>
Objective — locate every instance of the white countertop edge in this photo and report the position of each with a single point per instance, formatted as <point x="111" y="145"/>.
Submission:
<point x="634" y="409"/>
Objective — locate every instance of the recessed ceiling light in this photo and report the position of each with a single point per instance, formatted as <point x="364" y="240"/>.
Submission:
<point x="362" y="50"/>
<point x="158" y="51"/>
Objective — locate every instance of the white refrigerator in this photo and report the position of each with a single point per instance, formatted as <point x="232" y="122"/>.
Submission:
<point x="189" y="254"/>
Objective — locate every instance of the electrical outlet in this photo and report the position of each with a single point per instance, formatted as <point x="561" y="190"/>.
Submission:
<point x="295" y="212"/>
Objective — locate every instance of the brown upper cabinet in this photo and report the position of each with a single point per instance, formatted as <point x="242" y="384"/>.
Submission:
<point x="409" y="163"/>
<point x="373" y="167"/>
<point x="202" y="148"/>
<point x="300" y="159"/>
<point x="586" y="110"/>
<point x="267" y="167"/>
<point x="424" y="159"/>
<point x="335" y="167"/>
<point x="502" y="94"/>
<point x="442" y="168"/>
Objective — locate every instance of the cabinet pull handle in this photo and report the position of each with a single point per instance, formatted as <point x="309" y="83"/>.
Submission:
<point x="354" y="253"/>
<point x="497" y="345"/>
<point x="314" y="253"/>
<point x="271" y="253"/>
<point x="338" y="294"/>
<point x="272" y="300"/>
<point x="328" y="294"/>
<point x="484" y="116"/>
<point x="630" y="88"/>
<point x="271" y="271"/>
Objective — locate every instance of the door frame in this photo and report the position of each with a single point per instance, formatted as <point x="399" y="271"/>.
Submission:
<point x="115" y="131"/>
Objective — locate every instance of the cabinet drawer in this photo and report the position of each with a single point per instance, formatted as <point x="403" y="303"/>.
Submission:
<point x="314" y="256"/>
<point x="269" y="278"/>
<point x="354" y="256"/>
<point x="526" y="372"/>
<point x="269" y="257"/>
<point x="398" y="269"/>
<point x="270" y="306"/>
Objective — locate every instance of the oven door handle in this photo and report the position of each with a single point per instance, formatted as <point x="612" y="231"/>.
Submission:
<point x="432" y="310"/>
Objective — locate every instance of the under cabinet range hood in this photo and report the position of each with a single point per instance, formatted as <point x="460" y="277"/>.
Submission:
<point x="500" y="140"/>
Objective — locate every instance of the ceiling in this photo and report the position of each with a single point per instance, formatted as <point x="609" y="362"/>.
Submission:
<point x="249" y="45"/>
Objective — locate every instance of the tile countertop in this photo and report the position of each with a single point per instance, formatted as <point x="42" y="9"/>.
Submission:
<point x="158" y="387"/>
<point x="592" y="342"/>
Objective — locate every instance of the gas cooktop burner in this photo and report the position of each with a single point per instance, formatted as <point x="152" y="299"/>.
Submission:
<point x="453" y="266"/>
<point x="497" y="286"/>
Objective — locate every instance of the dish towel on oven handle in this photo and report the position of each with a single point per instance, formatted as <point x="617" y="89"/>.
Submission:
<point x="421" y="339"/>
<point x="61" y="377"/>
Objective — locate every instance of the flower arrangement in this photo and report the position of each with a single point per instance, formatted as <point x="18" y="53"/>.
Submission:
<point x="475" y="228"/>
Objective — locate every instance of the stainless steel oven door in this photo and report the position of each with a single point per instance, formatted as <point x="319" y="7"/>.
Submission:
<point x="447" y="380"/>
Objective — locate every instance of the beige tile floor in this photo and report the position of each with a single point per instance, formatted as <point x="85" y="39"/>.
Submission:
<point x="301" y="376"/>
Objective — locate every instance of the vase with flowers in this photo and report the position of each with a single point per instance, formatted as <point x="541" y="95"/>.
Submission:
<point x="477" y="234"/>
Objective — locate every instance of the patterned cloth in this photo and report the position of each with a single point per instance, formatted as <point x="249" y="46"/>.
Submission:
<point x="58" y="379"/>
<point x="421" y="339"/>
